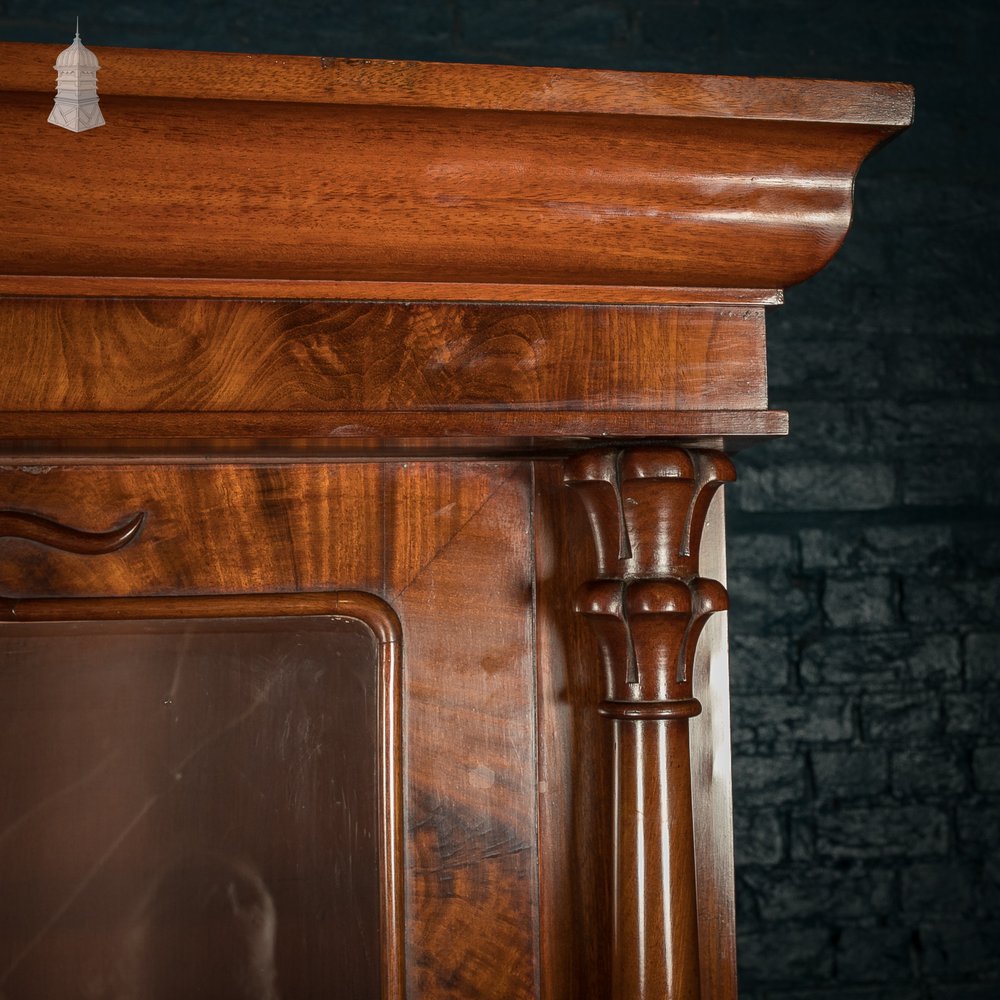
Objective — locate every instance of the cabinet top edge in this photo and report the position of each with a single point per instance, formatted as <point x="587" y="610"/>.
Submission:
<point x="162" y="73"/>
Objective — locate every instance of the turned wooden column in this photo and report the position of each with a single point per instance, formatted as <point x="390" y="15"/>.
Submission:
<point x="647" y="607"/>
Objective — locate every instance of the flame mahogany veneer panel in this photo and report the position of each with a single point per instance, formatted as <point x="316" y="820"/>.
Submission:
<point x="458" y="560"/>
<point x="208" y="530"/>
<point x="447" y="545"/>
<point x="192" y="355"/>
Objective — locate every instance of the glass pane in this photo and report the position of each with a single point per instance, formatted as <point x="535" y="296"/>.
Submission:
<point x="189" y="809"/>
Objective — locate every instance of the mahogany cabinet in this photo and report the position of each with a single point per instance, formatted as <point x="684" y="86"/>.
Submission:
<point x="362" y="573"/>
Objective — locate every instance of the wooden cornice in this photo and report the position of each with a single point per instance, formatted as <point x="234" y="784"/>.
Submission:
<point x="229" y="76"/>
<point x="223" y="175"/>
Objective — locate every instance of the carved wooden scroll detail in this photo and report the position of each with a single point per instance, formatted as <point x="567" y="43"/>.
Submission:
<point x="54" y="535"/>
<point x="647" y="608"/>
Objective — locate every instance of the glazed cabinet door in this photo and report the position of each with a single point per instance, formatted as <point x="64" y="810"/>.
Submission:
<point x="268" y="731"/>
<point x="341" y="730"/>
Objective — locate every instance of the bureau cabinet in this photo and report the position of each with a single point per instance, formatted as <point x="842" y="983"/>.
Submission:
<point x="364" y="432"/>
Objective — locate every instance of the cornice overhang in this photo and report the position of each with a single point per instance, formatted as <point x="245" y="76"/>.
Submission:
<point x="281" y="177"/>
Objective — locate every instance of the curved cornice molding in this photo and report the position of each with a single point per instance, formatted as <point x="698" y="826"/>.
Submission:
<point x="418" y="180"/>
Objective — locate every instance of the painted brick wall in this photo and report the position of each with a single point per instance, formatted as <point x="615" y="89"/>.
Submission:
<point x="866" y="547"/>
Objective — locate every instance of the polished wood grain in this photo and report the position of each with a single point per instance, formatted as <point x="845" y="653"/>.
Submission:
<point x="305" y="530"/>
<point x="232" y="76"/>
<point x="648" y="607"/>
<point x="405" y="291"/>
<point x="458" y="563"/>
<point x="42" y="531"/>
<point x="755" y="197"/>
<point x="575" y="755"/>
<point x="193" y="355"/>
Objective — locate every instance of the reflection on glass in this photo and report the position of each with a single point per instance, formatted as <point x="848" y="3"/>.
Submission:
<point x="204" y="912"/>
<point x="189" y="808"/>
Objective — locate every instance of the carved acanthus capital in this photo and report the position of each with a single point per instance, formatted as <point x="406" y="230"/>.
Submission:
<point x="647" y="631"/>
<point x="647" y="510"/>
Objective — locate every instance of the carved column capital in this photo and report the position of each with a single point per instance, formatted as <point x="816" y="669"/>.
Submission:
<point x="647" y="511"/>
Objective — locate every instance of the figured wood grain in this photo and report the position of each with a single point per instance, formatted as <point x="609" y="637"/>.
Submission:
<point x="748" y="197"/>
<point x="459" y="574"/>
<point x="435" y="501"/>
<point x="192" y="355"/>
<point x="209" y="530"/>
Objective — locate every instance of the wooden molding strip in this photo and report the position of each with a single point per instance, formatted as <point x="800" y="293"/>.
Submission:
<point x="96" y="286"/>
<point x="43" y="439"/>
<point x="330" y="426"/>
<point x="310" y="79"/>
